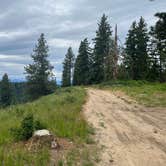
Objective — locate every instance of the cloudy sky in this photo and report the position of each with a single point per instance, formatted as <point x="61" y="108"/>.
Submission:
<point x="65" y="23"/>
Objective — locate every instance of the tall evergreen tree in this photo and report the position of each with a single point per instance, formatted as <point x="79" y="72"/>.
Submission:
<point x="5" y="94"/>
<point x="68" y="65"/>
<point x="153" y="63"/>
<point x="136" y="57"/>
<point x="81" y="69"/>
<point x="39" y="72"/>
<point x="160" y="32"/>
<point x="130" y="58"/>
<point x="101" y="49"/>
<point x="142" y="52"/>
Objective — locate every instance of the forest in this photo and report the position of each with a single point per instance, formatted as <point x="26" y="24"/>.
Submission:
<point x="141" y="57"/>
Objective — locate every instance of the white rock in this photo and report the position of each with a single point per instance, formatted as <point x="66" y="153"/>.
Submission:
<point x="54" y="145"/>
<point x="41" y="133"/>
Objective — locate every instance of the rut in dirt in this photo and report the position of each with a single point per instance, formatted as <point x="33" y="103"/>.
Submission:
<point x="128" y="134"/>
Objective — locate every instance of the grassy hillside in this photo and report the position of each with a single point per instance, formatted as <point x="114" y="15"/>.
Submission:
<point x="149" y="94"/>
<point x="60" y="112"/>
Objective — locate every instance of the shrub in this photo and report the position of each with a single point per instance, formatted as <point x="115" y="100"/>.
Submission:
<point x="25" y="131"/>
<point x="27" y="127"/>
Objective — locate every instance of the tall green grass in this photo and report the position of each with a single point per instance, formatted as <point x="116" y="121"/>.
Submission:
<point x="60" y="112"/>
<point x="147" y="93"/>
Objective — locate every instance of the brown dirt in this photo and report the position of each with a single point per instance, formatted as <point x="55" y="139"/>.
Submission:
<point x="127" y="133"/>
<point x="57" y="154"/>
<point x="60" y="154"/>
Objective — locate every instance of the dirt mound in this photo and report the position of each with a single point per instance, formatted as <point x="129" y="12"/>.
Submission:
<point x="37" y="142"/>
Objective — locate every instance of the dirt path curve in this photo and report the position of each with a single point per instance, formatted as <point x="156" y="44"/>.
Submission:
<point x="128" y="134"/>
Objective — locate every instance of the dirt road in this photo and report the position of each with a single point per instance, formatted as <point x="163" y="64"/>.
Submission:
<point x="128" y="134"/>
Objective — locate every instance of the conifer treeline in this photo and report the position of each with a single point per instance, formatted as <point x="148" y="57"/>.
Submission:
<point x="142" y="58"/>
<point x="10" y="92"/>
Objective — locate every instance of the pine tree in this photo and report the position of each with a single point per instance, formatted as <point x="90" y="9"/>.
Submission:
<point x="101" y="49"/>
<point x="77" y="71"/>
<point x="136" y="57"/>
<point x="153" y="63"/>
<point x="130" y="58"/>
<point x="68" y="64"/>
<point x="6" y="94"/>
<point x="82" y="70"/>
<point x="142" y="53"/>
<point x="160" y="32"/>
<point x="39" y="72"/>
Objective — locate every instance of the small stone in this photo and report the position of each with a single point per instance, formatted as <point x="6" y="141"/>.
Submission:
<point x="54" y="145"/>
<point x="41" y="133"/>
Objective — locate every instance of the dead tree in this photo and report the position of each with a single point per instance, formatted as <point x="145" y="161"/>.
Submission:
<point x="115" y="56"/>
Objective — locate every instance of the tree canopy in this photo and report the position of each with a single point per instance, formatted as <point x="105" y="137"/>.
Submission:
<point x="68" y="64"/>
<point x="39" y="73"/>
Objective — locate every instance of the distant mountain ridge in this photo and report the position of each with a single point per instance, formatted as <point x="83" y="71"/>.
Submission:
<point x="18" y="80"/>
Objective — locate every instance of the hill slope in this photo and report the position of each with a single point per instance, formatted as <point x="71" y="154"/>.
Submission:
<point x="60" y="112"/>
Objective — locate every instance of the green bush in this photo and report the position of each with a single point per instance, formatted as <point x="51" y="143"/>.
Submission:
<point x="28" y="126"/>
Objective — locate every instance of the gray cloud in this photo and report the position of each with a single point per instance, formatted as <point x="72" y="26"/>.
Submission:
<point x="64" y="22"/>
